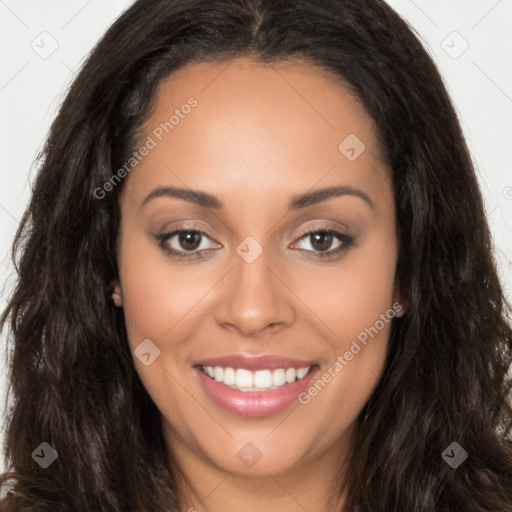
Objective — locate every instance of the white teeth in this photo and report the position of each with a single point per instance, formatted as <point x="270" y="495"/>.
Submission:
<point x="218" y="373"/>
<point x="263" y="379"/>
<point x="229" y="376"/>
<point x="290" y="375"/>
<point x="260" y="380"/>
<point x="278" y="377"/>
<point x="243" y="378"/>
<point x="301" y="372"/>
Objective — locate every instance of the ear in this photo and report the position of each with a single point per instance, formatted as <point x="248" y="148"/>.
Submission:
<point x="399" y="302"/>
<point x="116" y="294"/>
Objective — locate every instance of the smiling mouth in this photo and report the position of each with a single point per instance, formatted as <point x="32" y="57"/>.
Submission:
<point x="245" y="380"/>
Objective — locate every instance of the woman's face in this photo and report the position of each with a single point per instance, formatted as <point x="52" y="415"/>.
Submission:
<point x="286" y="263"/>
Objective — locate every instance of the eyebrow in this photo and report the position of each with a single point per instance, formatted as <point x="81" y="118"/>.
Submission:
<point x="323" y="194"/>
<point x="192" y="196"/>
<point x="302" y="201"/>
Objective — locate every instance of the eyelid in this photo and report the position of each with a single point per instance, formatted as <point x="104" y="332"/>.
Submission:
<point x="170" y="234"/>
<point x="346" y="241"/>
<point x="162" y="240"/>
<point x="325" y="225"/>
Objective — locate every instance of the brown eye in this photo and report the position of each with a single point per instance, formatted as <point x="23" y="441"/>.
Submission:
<point x="189" y="240"/>
<point x="321" y="241"/>
<point x="187" y="243"/>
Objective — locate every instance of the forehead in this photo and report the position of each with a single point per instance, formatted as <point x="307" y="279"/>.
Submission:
<point x="257" y="126"/>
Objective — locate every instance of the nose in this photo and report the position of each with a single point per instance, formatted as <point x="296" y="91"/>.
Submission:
<point x="254" y="299"/>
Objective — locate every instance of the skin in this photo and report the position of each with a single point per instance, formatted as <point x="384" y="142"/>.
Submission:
<point x="259" y="136"/>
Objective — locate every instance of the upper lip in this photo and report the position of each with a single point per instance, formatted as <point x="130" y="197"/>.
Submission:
<point x="267" y="362"/>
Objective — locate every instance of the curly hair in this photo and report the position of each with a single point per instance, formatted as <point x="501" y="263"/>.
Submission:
<point x="72" y="379"/>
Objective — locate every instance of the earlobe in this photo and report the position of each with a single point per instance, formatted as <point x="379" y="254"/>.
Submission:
<point x="399" y="309"/>
<point x="116" y="295"/>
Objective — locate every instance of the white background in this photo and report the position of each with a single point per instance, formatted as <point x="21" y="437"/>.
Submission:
<point x="31" y="88"/>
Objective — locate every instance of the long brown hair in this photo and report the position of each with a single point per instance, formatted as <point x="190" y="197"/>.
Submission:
<point x="72" y="380"/>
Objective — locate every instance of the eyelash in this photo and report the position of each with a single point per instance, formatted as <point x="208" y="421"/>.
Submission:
<point x="163" y="239"/>
<point x="346" y="243"/>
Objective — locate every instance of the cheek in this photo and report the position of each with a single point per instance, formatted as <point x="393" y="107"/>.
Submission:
<point x="356" y="306"/>
<point x="156" y="294"/>
<point x="351" y="297"/>
<point x="156" y="300"/>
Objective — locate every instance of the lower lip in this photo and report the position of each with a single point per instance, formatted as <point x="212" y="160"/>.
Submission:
<point x="254" y="404"/>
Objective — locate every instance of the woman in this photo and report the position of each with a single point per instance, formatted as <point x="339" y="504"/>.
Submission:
<point x="256" y="274"/>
